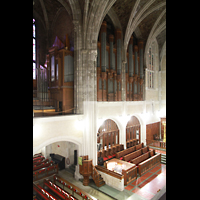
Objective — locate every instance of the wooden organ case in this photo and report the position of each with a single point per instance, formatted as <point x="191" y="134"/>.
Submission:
<point x="60" y="65"/>
<point x="109" y="68"/>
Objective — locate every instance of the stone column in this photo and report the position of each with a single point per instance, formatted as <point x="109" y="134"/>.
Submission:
<point x="90" y="103"/>
<point x="78" y="86"/>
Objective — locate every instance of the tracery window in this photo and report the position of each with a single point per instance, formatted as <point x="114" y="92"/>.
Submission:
<point x="34" y="51"/>
<point x="150" y="69"/>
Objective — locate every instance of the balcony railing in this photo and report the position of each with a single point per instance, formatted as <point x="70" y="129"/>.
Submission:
<point x="156" y="143"/>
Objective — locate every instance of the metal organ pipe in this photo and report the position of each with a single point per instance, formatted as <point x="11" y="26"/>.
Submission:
<point x="130" y="55"/>
<point x="103" y="46"/>
<point x="136" y="60"/>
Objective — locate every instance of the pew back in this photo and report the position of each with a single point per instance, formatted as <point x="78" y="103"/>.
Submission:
<point x="73" y="188"/>
<point x="149" y="163"/>
<point x="132" y="155"/>
<point x="140" y="158"/>
<point x="125" y="152"/>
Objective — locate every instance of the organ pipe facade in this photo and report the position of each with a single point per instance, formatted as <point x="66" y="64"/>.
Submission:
<point x="109" y="67"/>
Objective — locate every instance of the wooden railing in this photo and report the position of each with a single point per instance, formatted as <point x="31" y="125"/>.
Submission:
<point x="95" y="175"/>
<point x="156" y="143"/>
<point x="109" y="172"/>
<point x="149" y="163"/>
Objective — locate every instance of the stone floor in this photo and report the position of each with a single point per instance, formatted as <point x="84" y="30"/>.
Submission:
<point x="151" y="185"/>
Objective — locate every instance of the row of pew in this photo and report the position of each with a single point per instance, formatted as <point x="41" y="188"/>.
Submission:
<point x="59" y="189"/>
<point x="141" y="156"/>
<point x="105" y="155"/>
<point x="43" y="167"/>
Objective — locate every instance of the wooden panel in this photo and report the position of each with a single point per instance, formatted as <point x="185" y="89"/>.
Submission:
<point x="152" y="129"/>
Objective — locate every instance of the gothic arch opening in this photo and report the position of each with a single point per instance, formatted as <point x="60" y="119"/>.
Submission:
<point x="133" y="130"/>
<point x="108" y="134"/>
<point x="66" y="149"/>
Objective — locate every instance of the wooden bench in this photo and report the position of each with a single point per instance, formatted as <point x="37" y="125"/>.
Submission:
<point x="122" y="153"/>
<point x="140" y="158"/>
<point x="39" y="163"/>
<point x="131" y="143"/>
<point x="149" y="163"/>
<point x="132" y="155"/>
<point x="37" y="155"/>
<point x="109" y="152"/>
<point x="46" y="164"/>
<point x="145" y="149"/>
<point x="38" y="159"/>
<point x="57" y="190"/>
<point x="139" y="146"/>
<point x="42" y="192"/>
<point x="73" y="188"/>
<point x="45" y="171"/>
<point x="135" y="154"/>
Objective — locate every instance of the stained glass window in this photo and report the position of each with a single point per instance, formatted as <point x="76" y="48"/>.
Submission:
<point x="34" y="51"/>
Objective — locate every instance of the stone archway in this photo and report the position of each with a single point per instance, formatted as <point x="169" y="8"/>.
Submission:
<point x="108" y="134"/>
<point x="133" y="130"/>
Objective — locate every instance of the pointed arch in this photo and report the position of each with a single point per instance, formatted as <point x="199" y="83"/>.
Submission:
<point x="58" y="139"/>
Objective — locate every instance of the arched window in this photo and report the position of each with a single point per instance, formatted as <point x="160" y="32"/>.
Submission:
<point x="150" y="69"/>
<point x="34" y="51"/>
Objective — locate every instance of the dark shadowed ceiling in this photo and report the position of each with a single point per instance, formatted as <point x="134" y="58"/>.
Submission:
<point x="46" y="10"/>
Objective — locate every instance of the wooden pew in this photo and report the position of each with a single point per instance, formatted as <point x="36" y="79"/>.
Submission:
<point x="39" y="163"/>
<point x="45" y="171"/>
<point x="140" y="158"/>
<point x="37" y="155"/>
<point x="131" y="143"/>
<point x="132" y="155"/>
<point x="42" y="192"/>
<point x="135" y="154"/>
<point x="38" y="159"/>
<point x="43" y="165"/>
<point x="73" y="188"/>
<point x="145" y="149"/>
<point x="109" y="152"/>
<point x="57" y="190"/>
<point x="122" y="153"/>
<point x="149" y="163"/>
<point x="139" y="146"/>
